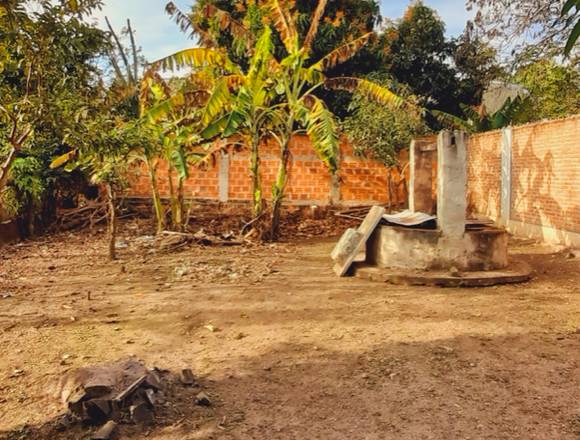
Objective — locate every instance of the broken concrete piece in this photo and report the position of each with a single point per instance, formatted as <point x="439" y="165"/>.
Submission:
<point x="98" y="410"/>
<point x="141" y="414"/>
<point x="347" y="244"/>
<point x="106" y="432"/>
<point x="75" y="401"/>
<point x="186" y="377"/>
<point x="153" y="381"/>
<point x="202" y="399"/>
<point x="150" y="398"/>
<point x="92" y="382"/>
<point x="127" y="392"/>
<point x="365" y="230"/>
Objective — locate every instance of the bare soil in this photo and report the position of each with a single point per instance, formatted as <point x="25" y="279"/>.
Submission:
<point x="286" y="350"/>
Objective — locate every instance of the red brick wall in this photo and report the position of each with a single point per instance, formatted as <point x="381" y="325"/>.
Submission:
<point x="484" y="174"/>
<point x="545" y="178"/>
<point x="546" y="174"/>
<point x="362" y="181"/>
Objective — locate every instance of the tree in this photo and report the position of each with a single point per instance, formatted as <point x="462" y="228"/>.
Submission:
<point x="293" y="78"/>
<point x="571" y="16"/>
<point x="383" y="131"/>
<point x="102" y="150"/>
<point x="537" y="23"/>
<point x="476" y="65"/>
<point x="419" y="55"/>
<point x="232" y="25"/>
<point x="48" y="72"/>
<point x="554" y="89"/>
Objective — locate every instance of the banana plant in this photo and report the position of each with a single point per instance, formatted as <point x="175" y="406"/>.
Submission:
<point x="276" y="97"/>
<point x="177" y="112"/>
<point x="297" y="80"/>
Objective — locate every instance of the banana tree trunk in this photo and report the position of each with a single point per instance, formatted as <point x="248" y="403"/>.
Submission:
<point x="157" y="205"/>
<point x="180" y="217"/>
<point x="258" y="204"/>
<point x="111" y="202"/>
<point x="278" y="190"/>
<point x="172" y="199"/>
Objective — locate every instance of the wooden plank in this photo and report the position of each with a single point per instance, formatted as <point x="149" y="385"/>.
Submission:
<point x="365" y="230"/>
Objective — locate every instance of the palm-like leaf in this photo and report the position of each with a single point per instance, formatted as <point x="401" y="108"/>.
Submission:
<point x="179" y="162"/>
<point x="196" y="57"/>
<point x="452" y="121"/>
<point x="370" y="90"/>
<point x="220" y="97"/>
<point x="181" y="19"/>
<point x="227" y="23"/>
<point x="322" y="130"/>
<point x="262" y="55"/>
<point x="187" y="101"/>
<point x="343" y="53"/>
<point x="311" y="35"/>
<point x="283" y="22"/>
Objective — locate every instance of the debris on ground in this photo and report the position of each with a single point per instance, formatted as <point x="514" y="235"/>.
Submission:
<point x="121" y="393"/>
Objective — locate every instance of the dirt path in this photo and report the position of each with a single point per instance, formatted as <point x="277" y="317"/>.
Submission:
<point x="296" y="353"/>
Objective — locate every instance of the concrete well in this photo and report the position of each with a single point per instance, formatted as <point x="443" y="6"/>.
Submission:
<point x="425" y="249"/>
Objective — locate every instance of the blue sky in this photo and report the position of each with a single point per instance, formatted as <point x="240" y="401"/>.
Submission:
<point x="158" y="36"/>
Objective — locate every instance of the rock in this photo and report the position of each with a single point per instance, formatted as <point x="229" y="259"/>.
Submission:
<point x="202" y="399"/>
<point x="98" y="410"/>
<point x="106" y="432"/>
<point x="150" y="397"/>
<point x="454" y="272"/>
<point x="186" y="377"/>
<point x="64" y="422"/>
<point x="153" y="380"/>
<point x="141" y="413"/>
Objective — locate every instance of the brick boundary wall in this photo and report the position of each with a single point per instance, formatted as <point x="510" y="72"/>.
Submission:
<point x="528" y="179"/>
<point x="362" y="181"/>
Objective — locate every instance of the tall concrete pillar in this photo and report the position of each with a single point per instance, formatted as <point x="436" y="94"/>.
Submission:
<point x="506" y="176"/>
<point x="452" y="183"/>
<point x="421" y="176"/>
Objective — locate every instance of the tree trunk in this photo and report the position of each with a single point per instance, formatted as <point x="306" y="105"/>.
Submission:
<point x="112" y="222"/>
<point x="157" y="205"/>
<point x="180" y="220"/>
<point x="258" y="205"/>
<point x="278" y="191"/>
<point x="5" y="168"/>
<point x="30" y="217"/>
<point x="172" y="199"/>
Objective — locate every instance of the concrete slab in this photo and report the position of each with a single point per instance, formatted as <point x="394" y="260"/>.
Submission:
<point x="351" y="245"/>
<point x="518" y="272"/>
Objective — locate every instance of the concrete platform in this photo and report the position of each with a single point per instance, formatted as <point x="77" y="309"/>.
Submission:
<point x="517" y="272"/>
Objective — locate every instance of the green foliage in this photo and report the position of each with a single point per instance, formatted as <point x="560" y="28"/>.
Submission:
<point x="476" y="120"/>
<point x="476" y="65"/>
<point x="382" y="131"/>
<point x="233" y="26"/>
<point x="572" y="17"/>
<point x="48" y="72"/>
<point x="554" y="89"/>
<point x="442" y="73"/>
<point x="418" y="56"/>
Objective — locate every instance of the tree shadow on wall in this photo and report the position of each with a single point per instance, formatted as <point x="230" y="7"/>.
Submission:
<point x="532" y="192"/>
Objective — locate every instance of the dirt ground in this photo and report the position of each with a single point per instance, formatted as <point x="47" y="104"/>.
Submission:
<point x="285" y="349"/>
